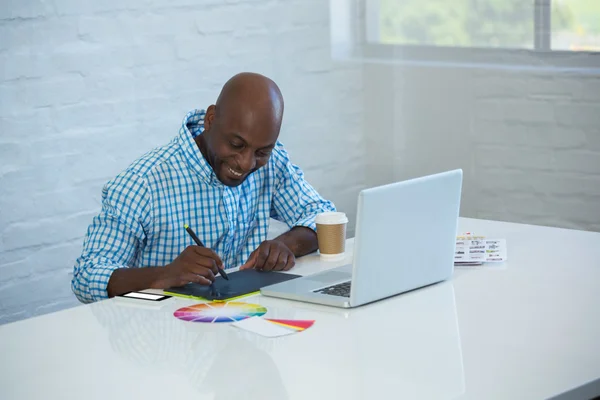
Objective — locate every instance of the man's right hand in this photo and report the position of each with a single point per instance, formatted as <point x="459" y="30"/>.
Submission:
<point x="194" y="264"/>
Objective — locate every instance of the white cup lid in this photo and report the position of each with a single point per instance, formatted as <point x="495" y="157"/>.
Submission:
<point x="331" y="218"/>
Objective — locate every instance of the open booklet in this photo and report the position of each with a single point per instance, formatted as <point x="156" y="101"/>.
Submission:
<point x="476" y="250"/>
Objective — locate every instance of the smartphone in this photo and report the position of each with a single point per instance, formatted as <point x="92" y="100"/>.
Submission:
<point x="144" y="296"/>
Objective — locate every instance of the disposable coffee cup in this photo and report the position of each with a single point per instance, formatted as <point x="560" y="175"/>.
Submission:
<point x="331" y="234"/>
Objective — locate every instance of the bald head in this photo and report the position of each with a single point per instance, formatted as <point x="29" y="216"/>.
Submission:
<point x="253" y="94"/>
<point x="242" y="128"/>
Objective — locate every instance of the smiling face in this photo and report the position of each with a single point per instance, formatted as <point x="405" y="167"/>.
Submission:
<point x="237" y="144"/>
<point x="241" y="130"/>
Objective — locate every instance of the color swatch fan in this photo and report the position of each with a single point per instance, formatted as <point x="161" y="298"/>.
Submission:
<point x="219" y="312"/>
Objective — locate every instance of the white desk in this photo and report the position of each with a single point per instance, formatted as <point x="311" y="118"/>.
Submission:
<point x="528" y="329"/>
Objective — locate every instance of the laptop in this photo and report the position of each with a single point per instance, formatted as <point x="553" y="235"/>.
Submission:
<point x="405" y="240"/>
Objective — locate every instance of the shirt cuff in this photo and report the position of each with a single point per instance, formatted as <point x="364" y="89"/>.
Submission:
<point x="98" y="281"/>
<point x="308" y="222"/>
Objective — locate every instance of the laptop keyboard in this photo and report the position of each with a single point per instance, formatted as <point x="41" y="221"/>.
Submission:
<point x="341" y="289"/>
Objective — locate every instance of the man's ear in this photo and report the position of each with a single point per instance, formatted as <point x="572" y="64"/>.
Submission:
<point x="209" y="117"/>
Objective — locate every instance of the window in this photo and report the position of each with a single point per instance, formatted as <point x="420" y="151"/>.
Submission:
<point x="575" y="25"/>
<point x="521" y="34"/>
<point x="542" y="25"/>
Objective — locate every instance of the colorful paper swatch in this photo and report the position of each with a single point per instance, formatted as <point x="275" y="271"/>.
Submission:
<point x="295" y="324"/>
<point x="273" y="327"/>
<point x="219" y="312"/>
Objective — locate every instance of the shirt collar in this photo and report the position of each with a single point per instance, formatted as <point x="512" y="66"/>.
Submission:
<point x="192" y="126"/>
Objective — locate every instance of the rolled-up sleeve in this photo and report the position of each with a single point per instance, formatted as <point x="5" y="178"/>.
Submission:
<point x="114" y="237"/>
<point x="295" y="201"/>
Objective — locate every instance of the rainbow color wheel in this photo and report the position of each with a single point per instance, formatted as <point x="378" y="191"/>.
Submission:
<point x="219" y="312"/>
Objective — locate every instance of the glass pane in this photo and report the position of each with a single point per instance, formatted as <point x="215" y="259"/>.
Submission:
<point x="576" y="25"/>
<point x="457" y="23"/>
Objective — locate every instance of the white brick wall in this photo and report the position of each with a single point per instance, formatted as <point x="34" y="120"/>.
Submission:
<point x="529" y="143"/>
<point x="88" y="86"/>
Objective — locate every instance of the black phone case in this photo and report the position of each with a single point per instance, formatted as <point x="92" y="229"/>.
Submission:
<point x="239" y="284"/>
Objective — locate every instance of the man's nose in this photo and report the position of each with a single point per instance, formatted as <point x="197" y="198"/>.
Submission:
<point x="247" y="160"/>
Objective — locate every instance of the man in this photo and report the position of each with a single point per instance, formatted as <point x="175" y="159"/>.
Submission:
<point x="225" y="175"/>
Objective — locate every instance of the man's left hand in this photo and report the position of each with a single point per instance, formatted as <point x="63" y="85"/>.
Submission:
<point x="271" y="255"/>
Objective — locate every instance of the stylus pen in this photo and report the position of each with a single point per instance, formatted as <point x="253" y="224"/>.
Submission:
<point x="199" y="243"/>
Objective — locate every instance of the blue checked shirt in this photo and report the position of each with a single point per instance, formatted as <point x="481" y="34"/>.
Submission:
<point x="146" y="206"/>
